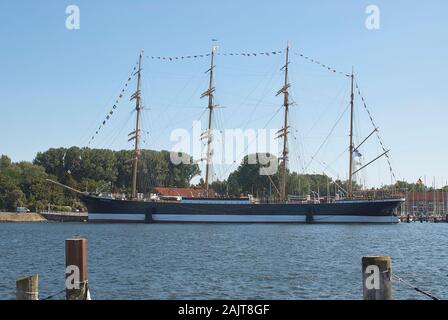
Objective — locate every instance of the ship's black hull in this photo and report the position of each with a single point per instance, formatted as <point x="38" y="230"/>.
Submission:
<point x="112" y="210"/>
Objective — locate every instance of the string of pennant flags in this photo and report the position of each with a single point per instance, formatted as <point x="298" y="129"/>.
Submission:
<point x="243" y="54"/>
<point x="377" y="133"/>
<point x="254" y="54"/>
<point x="250" y="54"/>
<point x="115" y="106"/>
<point x="321" y="64"/>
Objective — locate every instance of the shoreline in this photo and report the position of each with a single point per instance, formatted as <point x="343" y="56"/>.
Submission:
<point x="21" y="217"/>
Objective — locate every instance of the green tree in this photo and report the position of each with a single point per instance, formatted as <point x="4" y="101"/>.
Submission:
<point x="14" y="199"/>
<point x="101" y="170"/>
<point x="5" y="162"/>
<point x="247" y="179"/>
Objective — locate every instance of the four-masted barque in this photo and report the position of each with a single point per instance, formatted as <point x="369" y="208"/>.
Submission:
<point x="208" y="209"/>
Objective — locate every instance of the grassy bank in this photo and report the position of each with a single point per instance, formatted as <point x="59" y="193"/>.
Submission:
<point x="21" y="217"/>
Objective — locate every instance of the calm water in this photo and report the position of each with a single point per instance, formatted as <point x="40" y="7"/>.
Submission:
<point x="224" y="261"/>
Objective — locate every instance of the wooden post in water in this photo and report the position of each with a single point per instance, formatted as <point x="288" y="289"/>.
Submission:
<point x="76" y="269"/>
<point x="377" y="278"/>
<point x="27" y="288"/>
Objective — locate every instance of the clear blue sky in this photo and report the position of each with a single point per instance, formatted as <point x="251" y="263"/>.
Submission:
<point x="58" y="84"/>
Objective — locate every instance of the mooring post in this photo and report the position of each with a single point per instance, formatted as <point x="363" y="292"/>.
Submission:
<point x="76" y="269"/>
<point x="377" y="278"/>
<point x="27" y="288"/>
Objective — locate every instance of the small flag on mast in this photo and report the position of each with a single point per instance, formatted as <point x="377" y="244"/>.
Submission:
<point x="356" y="153"/>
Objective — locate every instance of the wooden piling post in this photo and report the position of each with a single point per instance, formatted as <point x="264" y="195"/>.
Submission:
<point x="377" y="278"/>
<point x="76" y="269"/>
<point x="27" y="288"/>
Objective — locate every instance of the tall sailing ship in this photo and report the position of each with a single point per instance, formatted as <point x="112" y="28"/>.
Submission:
<point x="230" y="210"/>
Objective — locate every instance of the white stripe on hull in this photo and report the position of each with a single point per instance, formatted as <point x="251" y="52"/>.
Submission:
<point x="356" y="219"/>
<point x="274" y="218"/>
<point x="226" y="218"/>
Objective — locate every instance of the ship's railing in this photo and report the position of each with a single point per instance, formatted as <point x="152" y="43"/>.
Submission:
<point x="332" y="199"/>
<point x="65" y="213"/>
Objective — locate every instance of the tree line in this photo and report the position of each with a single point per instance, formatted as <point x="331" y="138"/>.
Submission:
<point x="106" y="171"/>
<point x="92" y="170"/>
<point x="246" y="179"/>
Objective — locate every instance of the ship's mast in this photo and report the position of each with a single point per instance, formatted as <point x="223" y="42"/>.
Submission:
<point x="351" y="147"/>
<point x="210" y="94"/>
<point x="135" y="135"/>
<point x="284" y="131"/>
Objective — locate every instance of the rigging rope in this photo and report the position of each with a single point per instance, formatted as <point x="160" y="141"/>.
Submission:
<point x="53" y="295"/>
<point x="114" y="107"/>
<point x="297" y="53"/>
<point x="252" y="54"/>
<point x="321" y="64"/>
<point x="399" y="279"/>
<point x="256" y="136"/>
<point x="326" y="139"/>
<point x="244" y="54"/>
<point x="377" y="131"/>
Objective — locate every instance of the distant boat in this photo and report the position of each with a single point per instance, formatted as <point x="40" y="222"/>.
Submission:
<point x="213" y="210"/>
